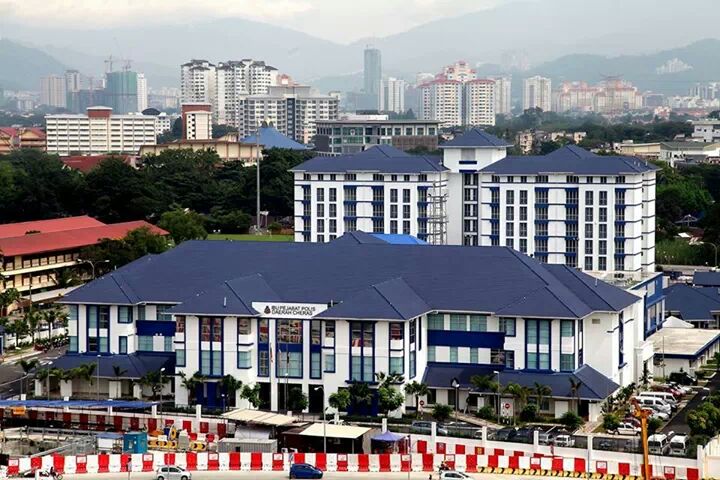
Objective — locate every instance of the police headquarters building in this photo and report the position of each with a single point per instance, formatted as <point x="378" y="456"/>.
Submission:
<point x="302" y="315"/>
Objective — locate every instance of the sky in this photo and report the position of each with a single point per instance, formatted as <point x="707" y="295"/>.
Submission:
<point x="342" y="21"/>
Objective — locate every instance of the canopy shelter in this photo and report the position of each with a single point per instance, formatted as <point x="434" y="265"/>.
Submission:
<point x="258" y="417"/>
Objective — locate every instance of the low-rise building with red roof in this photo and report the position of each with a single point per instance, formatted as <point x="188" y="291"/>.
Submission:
<point x="85" y="163"/>
<point x="33" y="253"/>
<point x="13" y="138"/>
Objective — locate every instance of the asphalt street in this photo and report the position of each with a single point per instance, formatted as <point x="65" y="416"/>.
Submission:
<point x="283" y="475"/>
<point x="11" y="373"/>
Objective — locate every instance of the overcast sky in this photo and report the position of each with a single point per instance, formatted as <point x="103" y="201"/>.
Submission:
<point x="339" y="20"/>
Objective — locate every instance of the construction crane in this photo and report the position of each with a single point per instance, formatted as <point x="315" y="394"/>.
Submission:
<point x="643" y="414"/>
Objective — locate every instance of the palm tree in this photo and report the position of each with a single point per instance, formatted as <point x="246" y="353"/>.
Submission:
<point x="575" y="392"/>
<point x="486" y="383"/>
<point x="191" y="383"/>
<point x="541" y="392"/>
<point x="66" y="277"/>
<point x="32" y="319"/>
<point x="360" y="394"/>
<point x="118" y="371"/>
<point x="385" y="379"/>
<point x="7" y="298"/>
<point x="518" y="393"/>
<point x="417" y="390"/>
<point x="230" y="386"/>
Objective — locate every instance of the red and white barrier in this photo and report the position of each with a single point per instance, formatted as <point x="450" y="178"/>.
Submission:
<point x="416" y="462"/>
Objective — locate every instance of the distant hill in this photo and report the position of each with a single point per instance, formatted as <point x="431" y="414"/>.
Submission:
<point x="22" y="67"/>
<point x="703" y="56"/>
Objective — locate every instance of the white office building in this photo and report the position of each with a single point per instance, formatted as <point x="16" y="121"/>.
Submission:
<point x="569" y="207"/>
<point x="53" y="91"/>
<point x="537" y="93"/>
<point x="142" y="92"/>
<point x="503" y="95"/>
<point x="393" y="95"/>
<point x="294" y="110"/>
<point x="99" y="132"/>
<point x="290" y="317"/>
<point x="707" y="130"/>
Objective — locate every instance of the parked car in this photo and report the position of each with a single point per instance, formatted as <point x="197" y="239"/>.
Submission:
<point x="682" y="378"/>
<point x="632" y="421"/>
<point x="626" y="428"/>
<point x="505" y="434"/>
<point x="678" y="445"/>
<point x="564" y="441"/>
<point x="454" y="474"/>
<point x="654" y="403"/>
<point x="172" y="472"/>
<point x="305" y="470"/>
<point x="424" y="427"/>
<point x="659" y="415"/>
<point x="667" y="397"/>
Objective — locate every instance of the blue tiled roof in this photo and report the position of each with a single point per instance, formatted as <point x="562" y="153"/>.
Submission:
<point x="359" y="237"/>
<point x="593" y="384"/>
<point x="569" y="159"/>
<point x="380" y="158"/>
<point x="690" y="303"/>
<point x="476" y="138"/>
<point x="706" y="279"/>
<point x="135" y="365"/>
<point x="270" y="137"/>
<point x="445" y="278"/>
<point x="390" y="300"/>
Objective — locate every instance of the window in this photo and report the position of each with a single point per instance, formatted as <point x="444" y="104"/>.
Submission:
<point x="458" y="322"/>
<point x="330" y="361"/>
<point x="180" y="324"/>
<point x="145" y="343"/>
<point x="289" y="364"/>
<point x="290" y="331"/>
<point x="179" y="357"/>
<point x="330" y="330"/>
<point x="162" y="314"/>
<point x="603" y="198"/>
<point x="589" y="230"/>
<point x="431" y="353"/>
<point x="478" y="323"/>
<point x="264" y="363"/>
<point x="216" y="364"/>
<point x="315" y="367"/>
<point x="125" y="314"/>
<point x="588" y="214"/>
<point x="92" y="315"/>
<point x="393" y="195"/>
<point x="602" y="263"/>
<point x="320" y="194"/>
<point x="406" y="195"/>
<point x="406" y="211"/>
<point x="263" y="330"/>
<point x="589" y="197"/>
<point x="541" y="196"/>
<point x="523" y="197"/>
<point x="122" y="345"/>
<point x="396" y="331"/>
<point x="537" y="342"/>
<point x="510" y="196"/>
<point x="507" y="326"/>
<point x="73" y="347"/>
<point x="205" y="329"/>
<point x="168" y="344"/>
<point x="509" y="214"/>
<point x="588" y="263"/>
<point x="567" y="362"/>
<point x="393" y="211"/>
<point x="243" y="326"/>
<point x="396" y="365"/>
<point x="413" y="331"/>
<point x="453" y="354"/>
<point x="412" y="365"/>
<point x="436" y="321"/>
<point x="509" y="359"/>
<point x="474" y="355"/>
<point x="567" y="328"/>
<point x="333" y="195"/>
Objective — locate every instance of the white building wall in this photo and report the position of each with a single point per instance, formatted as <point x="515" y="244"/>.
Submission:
<point x="69" y="133"/>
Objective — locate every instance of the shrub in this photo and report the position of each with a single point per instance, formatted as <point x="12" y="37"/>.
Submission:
<point x="275" y="228"/>
<point x="571" y="420"/>
<point x="653" y="425"/>
<point x="441" y="412"/>
<point x="528" y="413"/>
<point x="611" y="422"/>
<point x="486" y="413"/>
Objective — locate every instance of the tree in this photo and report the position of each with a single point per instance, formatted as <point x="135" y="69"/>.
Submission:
<point x="297" y="400"/>
<point x="386" y="379"/>
<point x="486" y="383"/>
<point x="519" y="394"/>
<point x="119" y="192"/>
<point x="154" y="380"/>
<point x="441" y="412"/>
<point x="360" y="395"/>
<point x="43" y="375"/>
<point x="417" y="389"/>
<point x="252" y="395"/>
<point x="571" y="420"/>
<point x="230" y="386"/>
<point x="7" y="297"/>
<point x="191" y="384"/>
<point x="28" y="366"/>
<point x="541" y="392"/>
<point x="389" y="399"/>
<point x="232" y="221"/>
<point x="111" y="254"/>
<point x="340" y="400"/>
<point x="575" y="385"/>
<point x="118" y="371"/>
<point x="32" y="319"/>
<point x="222" y="130"/>
<point x="183" y="225"/>
<point x="611" y="422"/>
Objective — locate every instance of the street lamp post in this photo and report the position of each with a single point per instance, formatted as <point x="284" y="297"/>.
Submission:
<point x="497" y="372"/>
<point x="324" y="412"/>
<point x="715" y="247"/>
<point x="162" y="370"/>
<point x="97" y="387"/>
<point x="92" y="264"/>
<point x="456" y="385"/>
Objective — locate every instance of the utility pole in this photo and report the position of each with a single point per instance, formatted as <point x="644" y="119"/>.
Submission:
<point x="257" y="179"/>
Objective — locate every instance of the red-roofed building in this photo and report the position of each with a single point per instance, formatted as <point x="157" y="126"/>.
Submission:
<point x="85" y="163"/>
<point x="12" y="138"/>
<point x="32" y="253"/>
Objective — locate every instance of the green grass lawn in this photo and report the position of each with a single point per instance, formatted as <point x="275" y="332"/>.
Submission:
<point x="251" y="238"/>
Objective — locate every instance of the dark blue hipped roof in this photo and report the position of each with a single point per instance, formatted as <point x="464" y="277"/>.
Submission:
<point x="570" y="159"/>
<point x="691" y="303"/>
<point x="270" y="137"/>
<point x="594" y="385"/>
<point x="476" y="138"/>
<point x="706" y="279"/>
<point x="134" y="365"/>
<point x="362" y="279"/>
<point x="380" y="158"/>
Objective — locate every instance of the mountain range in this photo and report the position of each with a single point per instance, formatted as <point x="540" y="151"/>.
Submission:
<point x="560" y="38"/>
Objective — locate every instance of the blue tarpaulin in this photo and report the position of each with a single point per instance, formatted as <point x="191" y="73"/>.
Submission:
<point x="389" y="437"/>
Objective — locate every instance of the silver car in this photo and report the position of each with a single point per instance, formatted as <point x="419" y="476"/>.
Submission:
<point x="172" y="472"/>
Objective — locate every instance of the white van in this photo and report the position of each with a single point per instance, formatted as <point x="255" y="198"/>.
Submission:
<point x="655" y="403"/>
<point x="667" y="396"/>
<point x="678" y="445"/>
<point x="659" y="444"/>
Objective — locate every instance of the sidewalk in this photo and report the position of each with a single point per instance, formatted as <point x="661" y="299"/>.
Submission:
<point x="22" y="354"/>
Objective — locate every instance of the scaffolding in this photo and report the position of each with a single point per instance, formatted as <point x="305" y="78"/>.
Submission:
<point x="437" y="218"/>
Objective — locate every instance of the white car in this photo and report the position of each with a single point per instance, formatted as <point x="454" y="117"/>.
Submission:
<point x="660" y="415"/>
<point x="454" y="474"/>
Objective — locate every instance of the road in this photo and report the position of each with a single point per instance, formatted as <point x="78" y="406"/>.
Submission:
<point x="678" y="424"/>
<point x="11" y="373"/>
<point x="284" y="475"/>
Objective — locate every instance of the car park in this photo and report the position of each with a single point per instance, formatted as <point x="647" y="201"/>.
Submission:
<point x="656" y="404"/>
<point x="666" y="397"/>
<point x="305" y="470"/>
<point x="172" y="472"/>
